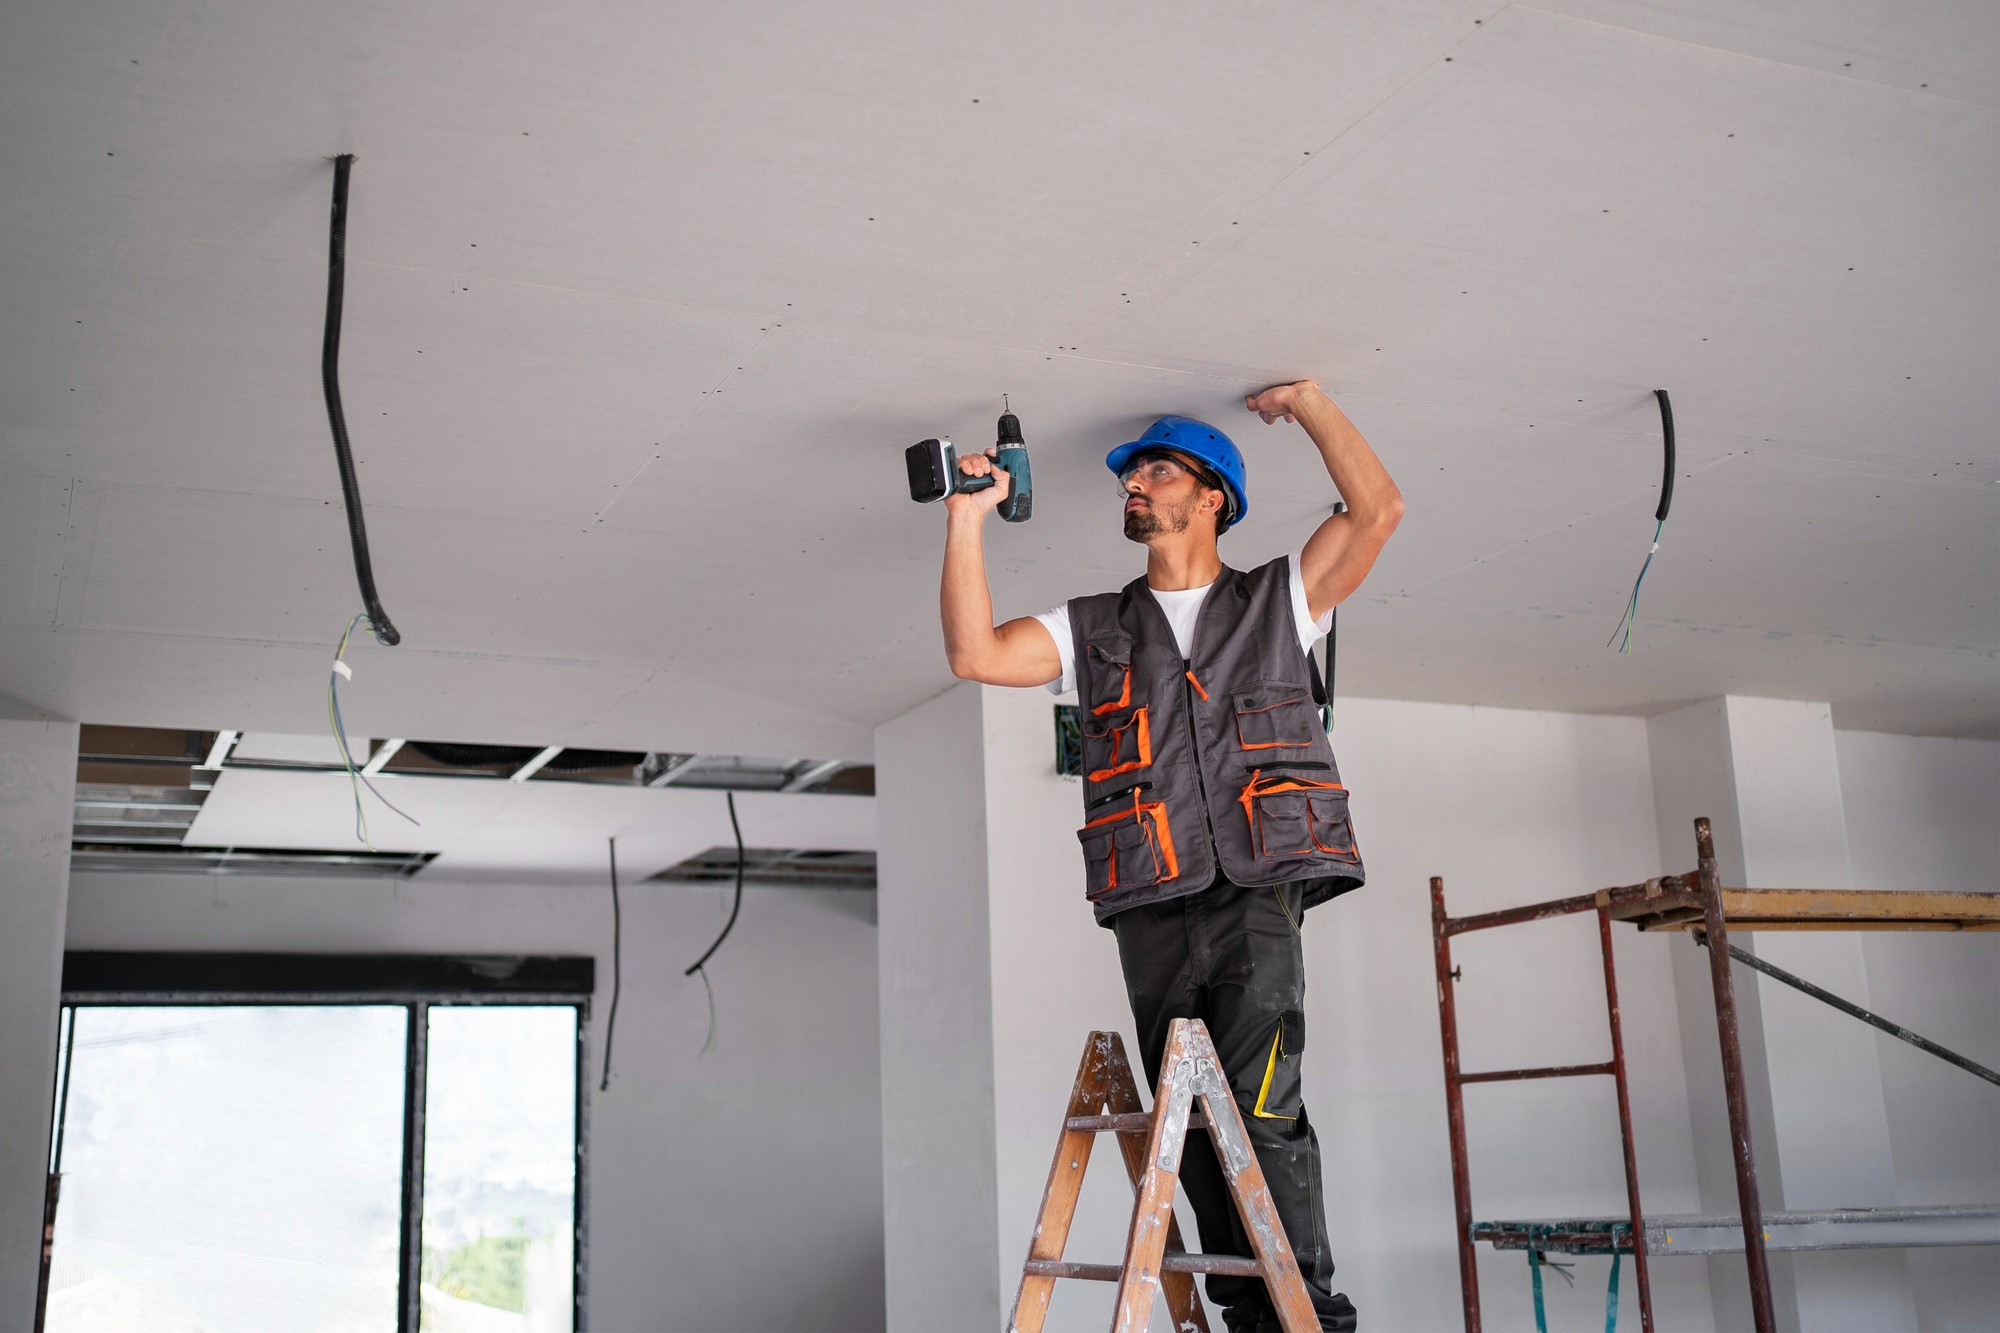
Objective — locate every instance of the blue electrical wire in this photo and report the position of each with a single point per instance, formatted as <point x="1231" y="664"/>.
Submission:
<point x="1630" y="617"/>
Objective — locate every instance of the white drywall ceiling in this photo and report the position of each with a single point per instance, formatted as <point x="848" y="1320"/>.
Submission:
<point x="643" y="303"/>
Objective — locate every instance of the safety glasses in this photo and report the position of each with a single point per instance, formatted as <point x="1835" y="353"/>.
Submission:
<point x="1160" y="470"/>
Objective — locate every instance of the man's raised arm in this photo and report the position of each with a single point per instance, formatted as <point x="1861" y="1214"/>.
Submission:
<point x="1342" y="551"/>
<point x="1020" y="652"/>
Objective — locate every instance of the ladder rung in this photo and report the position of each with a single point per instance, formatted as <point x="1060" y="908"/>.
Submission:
<point x="1550" y="1071"/>
<point x="1231" y="1265"/>
<point x="1128" y="1123"/>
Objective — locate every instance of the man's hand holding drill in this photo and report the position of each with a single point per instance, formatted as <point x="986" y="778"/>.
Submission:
<point x="975" y="504"/>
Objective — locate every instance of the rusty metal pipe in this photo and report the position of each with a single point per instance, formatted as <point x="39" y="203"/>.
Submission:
<point x="1848" y="1007"/>
<point x="1514" y="916"/>
<point x="1733" y="1082"/>
<point x="1625" y="1137"/>
<point x="1454" y="1109"/>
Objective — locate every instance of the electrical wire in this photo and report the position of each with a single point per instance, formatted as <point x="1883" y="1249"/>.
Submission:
<point x="355" y="777"/>
<point x="617" y="968"/>
<point x="735" y="907"/>
<point x="329" y="374"/>
<point x="708" y="1042"/>
<point x="1631" y="616"/>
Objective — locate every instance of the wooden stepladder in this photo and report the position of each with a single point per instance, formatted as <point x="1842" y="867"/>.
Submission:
<point x="1106" y="1099"/>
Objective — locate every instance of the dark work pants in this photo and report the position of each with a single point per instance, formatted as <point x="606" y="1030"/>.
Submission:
<point x="1231" y="957"/>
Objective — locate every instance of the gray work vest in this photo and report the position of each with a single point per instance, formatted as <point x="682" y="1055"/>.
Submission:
<point x="1218" y="762"/>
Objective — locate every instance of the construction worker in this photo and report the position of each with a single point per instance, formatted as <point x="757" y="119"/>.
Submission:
<point x="1214" y="816"/>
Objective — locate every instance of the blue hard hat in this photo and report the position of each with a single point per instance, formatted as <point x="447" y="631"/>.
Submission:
<point x="1203" y="443"/>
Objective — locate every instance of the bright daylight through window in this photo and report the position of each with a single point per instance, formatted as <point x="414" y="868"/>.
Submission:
<point x="238" y="1168"/>
<point x="500" y="1169"/>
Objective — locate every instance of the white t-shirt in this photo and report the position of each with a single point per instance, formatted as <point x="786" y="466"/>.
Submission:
<point x="1182" y="608"/>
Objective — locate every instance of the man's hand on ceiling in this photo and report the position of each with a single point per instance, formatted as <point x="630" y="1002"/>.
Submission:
<point x="1280" y="401"/>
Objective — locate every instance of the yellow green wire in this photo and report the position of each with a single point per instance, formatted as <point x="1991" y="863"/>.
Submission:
<point x="1631" y="616"/>
<point x="340" y="737"/>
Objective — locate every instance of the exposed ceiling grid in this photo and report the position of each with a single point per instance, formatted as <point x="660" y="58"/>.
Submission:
<point x="642" y="308"/>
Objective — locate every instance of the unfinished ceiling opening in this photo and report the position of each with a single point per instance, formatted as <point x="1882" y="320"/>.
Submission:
<point x="224" y="802"/>
<point x="788" y="867"/>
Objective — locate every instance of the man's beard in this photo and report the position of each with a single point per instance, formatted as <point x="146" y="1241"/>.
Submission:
<point x="1150" y="521"/>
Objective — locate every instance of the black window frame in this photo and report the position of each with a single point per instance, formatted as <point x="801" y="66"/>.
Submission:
<point x="415" y="982"/>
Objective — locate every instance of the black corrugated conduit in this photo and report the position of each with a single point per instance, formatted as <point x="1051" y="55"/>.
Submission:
<point x="1667" y="437"/>
<point x="1631" y="616"/>
<point x="329" y="373"/>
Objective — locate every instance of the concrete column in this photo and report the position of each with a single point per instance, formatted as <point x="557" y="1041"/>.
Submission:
<point x="37" y="796"/>
<point x="940" y="1219"/>
<point x="1765" y="772"/>
<point x="992" y="975"/>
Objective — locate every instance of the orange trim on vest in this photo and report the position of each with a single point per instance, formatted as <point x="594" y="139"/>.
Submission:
<point x="1124" y="700"/>
<point x="1145" y="744"/>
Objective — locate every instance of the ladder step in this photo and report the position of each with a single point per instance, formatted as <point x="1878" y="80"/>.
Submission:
<point x="1231" y="1265"/>
<point x="1132" y="1122"/>
<point x="1547" y="1071"/>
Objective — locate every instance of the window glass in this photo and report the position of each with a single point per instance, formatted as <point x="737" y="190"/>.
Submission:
<point x="231" y="1170"/>
<point x="500" y="1170"/>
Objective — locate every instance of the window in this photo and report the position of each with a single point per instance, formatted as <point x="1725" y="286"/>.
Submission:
<point x="317" y="1144"/>
<point x="499" y="1166"/>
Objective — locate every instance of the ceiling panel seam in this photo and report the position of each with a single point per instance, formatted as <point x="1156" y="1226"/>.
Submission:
<point x="700" y="406"/>
<point x="1747" y="56"/>
<point x="79" y="540"/>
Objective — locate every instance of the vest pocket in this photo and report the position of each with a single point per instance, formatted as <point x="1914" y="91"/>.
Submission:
<point x="1272" y="715"/>
<point x="1292" y="816"/>
<point x="1105" y="682"/>
<point x="1128" y="849"/>
<point x="1332" y="830"/>
<point x="1112" y="746"/>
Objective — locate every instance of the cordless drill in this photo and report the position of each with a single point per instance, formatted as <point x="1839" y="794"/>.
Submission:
<point x="934" y="474"/>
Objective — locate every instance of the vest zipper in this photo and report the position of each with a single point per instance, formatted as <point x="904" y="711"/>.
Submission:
<point x="1118" y="795"/>
<point x="1194" y="739"/>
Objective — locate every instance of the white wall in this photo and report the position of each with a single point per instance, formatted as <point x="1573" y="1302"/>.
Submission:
<point x="1924" y="813"/>
<point x="738" y="1190"/>
<point x="1509" y="807"/>
<point x="37" y="790"/>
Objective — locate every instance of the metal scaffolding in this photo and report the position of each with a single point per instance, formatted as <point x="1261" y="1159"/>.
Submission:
<point x="1699" y="903"/>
